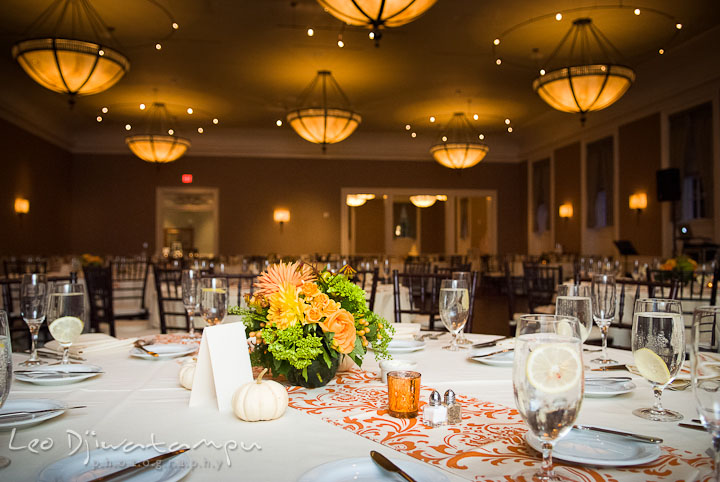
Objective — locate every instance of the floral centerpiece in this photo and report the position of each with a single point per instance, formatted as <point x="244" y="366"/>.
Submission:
<point x="88" y="259"/>
<point x="300" y="323"/>
<point x="680" y="267"/>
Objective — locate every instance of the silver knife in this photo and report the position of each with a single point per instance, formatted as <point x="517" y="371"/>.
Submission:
<point x="632" y="436"/>
<point x="386" y="464"/>
<point x="609" y="367"/>
<point x="484" y="355"/>
<point x="142" y="465"/>
<point x="608" y="379"/>
<point x="33" y="412"/>
<point x="490" y="343"/>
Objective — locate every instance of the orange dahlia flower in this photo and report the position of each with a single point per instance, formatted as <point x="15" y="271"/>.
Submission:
<point x="279" y="275"/>
<point x="286" y="307"/>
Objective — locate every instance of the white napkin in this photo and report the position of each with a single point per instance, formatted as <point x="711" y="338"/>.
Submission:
<point x="93" y="343"/>
<point x="406" y="331"/>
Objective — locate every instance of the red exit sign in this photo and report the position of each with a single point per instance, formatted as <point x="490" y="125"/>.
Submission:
<point x="186" y="178"/>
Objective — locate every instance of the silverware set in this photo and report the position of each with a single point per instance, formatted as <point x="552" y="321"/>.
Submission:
<point x="493" y="353"/>
<point x="490" y="343"/>
<point x="629" y="435"/>
<point x="33" y="412"/>
<point x="141" y="345"/>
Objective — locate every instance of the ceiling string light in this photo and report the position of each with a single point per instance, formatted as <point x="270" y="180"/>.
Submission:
<point x="586" y="84"/>
<point x="69" y="65"/>
<point x="459" y="146"/>
<point x="158" y="144"/>
<point x="376" y="14"/>
<point x="324" y="115"/>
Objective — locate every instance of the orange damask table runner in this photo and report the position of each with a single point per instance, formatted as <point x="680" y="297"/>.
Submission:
<point x="487" y="446"/>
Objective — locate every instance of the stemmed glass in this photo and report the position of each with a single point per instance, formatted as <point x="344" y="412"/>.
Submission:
<point x="548" y="382"/>
<point x="213" y="300"/>
<point x="467" y="277"/>
<point x="5" y="368"/>
<point x="454" y="308"/>
<point x="704" y="362"/>
<point x="658" y="346"/>
<point x="33" y="303"/>
<point x="603" y="307"/>
<point x="191" y="301"/>
<point x="66" y="312"/>
<point x="574" y="300"/>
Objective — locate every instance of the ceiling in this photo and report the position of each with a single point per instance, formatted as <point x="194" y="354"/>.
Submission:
<point x="246" y="62"/>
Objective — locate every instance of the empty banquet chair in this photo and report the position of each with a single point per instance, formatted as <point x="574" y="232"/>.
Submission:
<point x="413" y="264"/>
<point x="244" y="284"/>
<point x="129" y="283"/>
<point x="99" y="284"/>
<point x="367" y="280"/>
<point x="168" y="286"/>
<point x="540" y="285"/>
<point x="15" y="268"/>
<point x="696" y="288"/>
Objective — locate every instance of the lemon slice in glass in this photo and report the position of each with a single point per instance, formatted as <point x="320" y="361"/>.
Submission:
<point x="564" y="328"/>
<point x="66" y="329"/>
<point x="651" y="366"/>
<point x="554" y="367"/>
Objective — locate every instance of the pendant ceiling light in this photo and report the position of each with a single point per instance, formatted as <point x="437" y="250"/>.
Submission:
<point x="158" y="144"/>
<point x="459" y="146"/>
<point x="586" y="84"/>
<point x="356" y="200"/>
<point x="423" y="200"/>
<point x="70" y="65"/>
<point x="324" y="115"/>
<point x="376" y="14"/>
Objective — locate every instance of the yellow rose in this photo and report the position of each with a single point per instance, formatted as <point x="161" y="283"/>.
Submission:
<point x="342" y="324"/>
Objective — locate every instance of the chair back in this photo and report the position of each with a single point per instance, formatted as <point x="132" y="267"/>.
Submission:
<point x="628" y="291"/>
<point x="700" y="286"/>
<point x="98" y="281"/>
<point x="244" y="284"/>
<point x="540" y="284"/>
<point x="168" y="287"/>
<point x="15" y="268"/>
<point x="129" y="280"/>
<point x="367" y="280"/>
<point x="416" y="265"/>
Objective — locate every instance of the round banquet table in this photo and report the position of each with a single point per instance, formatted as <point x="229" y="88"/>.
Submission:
<point x="140" y="400"/>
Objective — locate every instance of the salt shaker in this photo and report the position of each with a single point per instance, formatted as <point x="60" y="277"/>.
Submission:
<point x="434" y="413"/>
<point x="454" y="409"/>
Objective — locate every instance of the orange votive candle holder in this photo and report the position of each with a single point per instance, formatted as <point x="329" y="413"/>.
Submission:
<point x="403" y="394"/>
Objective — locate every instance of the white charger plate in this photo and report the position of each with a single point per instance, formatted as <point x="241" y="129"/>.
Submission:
<point x="405" y="346"/>
<point x="102" y="462"/>
<point x="600" y="449"/>
<point x="58" y="374"/>
<point x="500" y="360"/>
<point x="364" y="469"/>
<point x="29" y="419"/>
<point x="599" y="388"/>
<point x="170" y="350"/>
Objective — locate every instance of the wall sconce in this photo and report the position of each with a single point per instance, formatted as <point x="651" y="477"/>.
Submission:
<point x="281" y="216"/>
<point x="22" y="206"/>
<point x="638" y="201"/>
<point x="566" y="210"/>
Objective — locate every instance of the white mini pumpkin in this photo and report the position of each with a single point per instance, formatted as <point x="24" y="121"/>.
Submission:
<point x="260" y="400"/>
<point x="187" y="374"/>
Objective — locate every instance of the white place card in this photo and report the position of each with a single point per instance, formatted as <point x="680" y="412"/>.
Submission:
<point x="223" y="365"/>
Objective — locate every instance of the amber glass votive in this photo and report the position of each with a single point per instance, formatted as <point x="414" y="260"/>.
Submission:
<point x="403" y="394"/>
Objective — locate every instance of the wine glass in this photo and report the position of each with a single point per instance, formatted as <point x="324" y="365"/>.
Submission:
<point x="191" y="301"/>
<point x="658" y="346"/>
<point x="548" y="382"/>
<point x="5" y="368"/>
<point x="574" y="300"/>
<point x="454" y="308"/>
<point x="467" y="277"/>
<point x="704" y="363"/>
<point x="65" y="313"/>
<point x="33" y="304"/>
<point x="603" y="306"/>
<point x="213" y="300"/>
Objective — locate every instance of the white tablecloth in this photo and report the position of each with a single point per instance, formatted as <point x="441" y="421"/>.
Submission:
<point x="138" y="400"/>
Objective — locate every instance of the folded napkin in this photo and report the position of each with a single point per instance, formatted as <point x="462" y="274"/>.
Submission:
<point x="93" y="343"/>
<point x="406" y="331"/>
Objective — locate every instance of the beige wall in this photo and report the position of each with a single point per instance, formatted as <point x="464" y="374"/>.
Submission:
<point x="369" y="227"/>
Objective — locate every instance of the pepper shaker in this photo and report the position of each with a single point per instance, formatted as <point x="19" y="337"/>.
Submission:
<point x="434" y="413"/>
<point x="454" y="409"/>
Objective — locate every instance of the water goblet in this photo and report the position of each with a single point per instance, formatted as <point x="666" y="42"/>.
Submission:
<point x="66" y="315"/>
<point x="33" y="306"/>
<point x="574" y="300"/>
<point x="454" y="308"/>
<point x="467" y="277"/>
<point x="603" y="306"/>
<point x="5" y="368"/>
<point x="548" y="383"/>
<point x="213" y="300"/>
<point x="705" y="376"/>
<point x="190" y="283"/>
<point x="658" y="346"/>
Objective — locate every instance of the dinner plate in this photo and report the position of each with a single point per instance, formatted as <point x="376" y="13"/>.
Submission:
<point x="499" y="360"/>
<point x="105" y="461"/>
<point x="405" y="346"/>
<point x="598" y="388"/>
<point x="170" y="350"/>
<point x="58" y="374"/>
<point x="601" y="449"/>
<point x="29" y="419"/>
<point x="364" y="469"/>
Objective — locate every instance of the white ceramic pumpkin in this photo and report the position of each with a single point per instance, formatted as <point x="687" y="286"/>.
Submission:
<point x="187" y="374"/>
<point x="346" y="364"/>
<point x="260" y="400"/>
